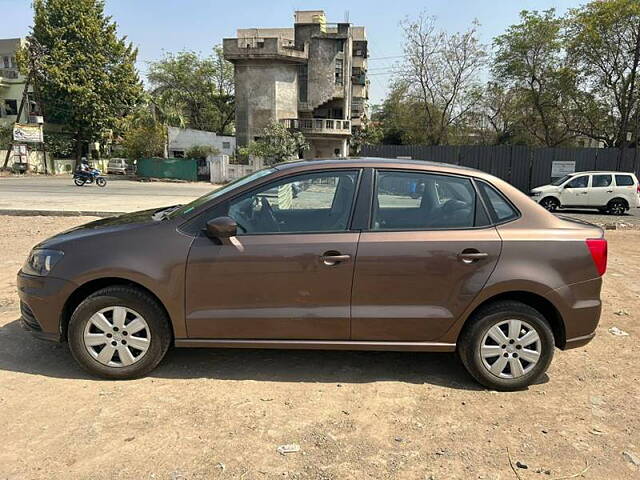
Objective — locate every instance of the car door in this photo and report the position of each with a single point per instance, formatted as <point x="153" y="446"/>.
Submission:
<point x="575" y="191"/>
<point x="288" y="273"/>
<point x="601" y="190"/>
<point x="429" y="251"/>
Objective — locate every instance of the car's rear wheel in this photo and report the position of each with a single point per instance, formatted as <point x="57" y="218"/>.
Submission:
<point x="550" y="203"/>
<point x="617" y="206"/>
<point x="506" y="346"/>
<point x="119" y="332"/>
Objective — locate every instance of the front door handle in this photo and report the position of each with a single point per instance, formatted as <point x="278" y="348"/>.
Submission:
<point x="333" y="258"/>
<point x="470" y="257"/>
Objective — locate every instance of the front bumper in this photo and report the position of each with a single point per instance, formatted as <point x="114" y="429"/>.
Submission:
<point x="42" y="301"/>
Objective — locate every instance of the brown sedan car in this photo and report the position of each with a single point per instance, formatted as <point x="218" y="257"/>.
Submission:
<point x="367" y="254"/>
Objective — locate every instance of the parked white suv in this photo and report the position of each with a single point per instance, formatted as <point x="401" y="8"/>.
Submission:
<point x="610" y="192"/>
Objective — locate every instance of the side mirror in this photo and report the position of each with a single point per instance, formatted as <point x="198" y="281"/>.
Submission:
<point x="221" y="227"/>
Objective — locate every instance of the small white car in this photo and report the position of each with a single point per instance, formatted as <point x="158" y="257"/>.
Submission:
<point x="610" y="192"/>
<point x="119" y="166"/>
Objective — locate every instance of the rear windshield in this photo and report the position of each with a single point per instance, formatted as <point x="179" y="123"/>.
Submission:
<point x="624" y="180"/>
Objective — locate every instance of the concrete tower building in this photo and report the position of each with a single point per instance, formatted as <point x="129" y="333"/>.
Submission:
<point x="312" y="78"/>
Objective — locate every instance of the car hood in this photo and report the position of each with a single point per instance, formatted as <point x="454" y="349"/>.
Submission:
<point x="103" y="226"/>
<point x="546" y="189"/>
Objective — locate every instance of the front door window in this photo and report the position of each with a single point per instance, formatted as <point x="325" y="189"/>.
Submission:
<point x="313" y="202"/>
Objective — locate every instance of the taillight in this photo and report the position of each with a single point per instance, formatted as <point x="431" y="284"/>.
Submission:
<point x="598" y="249"/>
<point x="638" y="189"/>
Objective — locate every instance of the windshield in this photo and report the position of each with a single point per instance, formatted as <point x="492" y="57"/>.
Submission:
<point x="560" y="181"/>
<point x="189" y="207"/>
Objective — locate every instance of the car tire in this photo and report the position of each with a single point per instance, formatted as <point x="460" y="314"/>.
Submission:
<point x="550" y="203"/>
<point x="108" y="351"/>
<point x="480" y="353"/>
<point x="617" y="206"/>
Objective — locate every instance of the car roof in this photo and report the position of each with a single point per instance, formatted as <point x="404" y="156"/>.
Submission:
<point x="378" y="162"/>
<point x="602" y="172"/>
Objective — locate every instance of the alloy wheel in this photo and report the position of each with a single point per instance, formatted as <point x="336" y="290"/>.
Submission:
<point x="117" y="336"/>
<point x="550" y="204"/>
<point x="616" y="208"/>
<point x="510" y="349"/>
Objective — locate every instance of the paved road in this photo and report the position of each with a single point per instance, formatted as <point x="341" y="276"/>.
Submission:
<point x="120" y="195"/>
<point x="631" y="219"/>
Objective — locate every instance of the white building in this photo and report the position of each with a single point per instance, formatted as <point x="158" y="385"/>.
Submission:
<point x="180" y="140"/>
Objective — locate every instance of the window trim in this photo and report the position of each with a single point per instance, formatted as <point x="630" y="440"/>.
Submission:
<point x="227" y="202"/>
<point x="370" y="228"/>
<point x="490" y="211"/>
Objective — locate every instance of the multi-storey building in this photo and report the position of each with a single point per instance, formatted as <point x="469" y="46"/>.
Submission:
<point x="12" y="84"/>
<point x="312" y="78"/>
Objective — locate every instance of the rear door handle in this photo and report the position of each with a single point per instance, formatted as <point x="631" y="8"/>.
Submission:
<point x="334" y="258"/>
<point x="470" y="257"/>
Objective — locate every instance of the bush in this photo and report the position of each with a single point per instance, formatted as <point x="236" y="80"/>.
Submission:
<point x="201" y="151"/>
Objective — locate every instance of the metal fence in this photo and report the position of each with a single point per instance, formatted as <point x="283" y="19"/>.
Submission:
<point x="522" y="166"/>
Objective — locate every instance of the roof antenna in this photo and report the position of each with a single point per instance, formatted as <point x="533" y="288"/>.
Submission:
<point x="346" y="16"/>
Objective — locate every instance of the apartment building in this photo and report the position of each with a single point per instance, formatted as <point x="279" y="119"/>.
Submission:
<point x="312" y="78"/>
<point x="12" y="84"/>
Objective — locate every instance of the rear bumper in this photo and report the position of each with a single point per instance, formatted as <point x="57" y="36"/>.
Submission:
<point x="42" y="301"/>
<point x="580" y="308"/>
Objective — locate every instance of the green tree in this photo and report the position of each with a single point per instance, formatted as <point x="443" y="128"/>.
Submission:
<point x="529" y="61"/>
<point x="6" y="135"/>
<point x="195" y="92"/>
<point x="402" y="117"/>
<point x="369" y="133"/>
<point x="603" y="41"/>
<point x="144" y="140"/>
<point x="277" y="144"/>
<point x="86" y="73"/>
<point x="201" y="151"/>
<point x="440" y="75"/>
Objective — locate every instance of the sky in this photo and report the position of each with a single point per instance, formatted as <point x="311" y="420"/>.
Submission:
<point x="159" y="26"/>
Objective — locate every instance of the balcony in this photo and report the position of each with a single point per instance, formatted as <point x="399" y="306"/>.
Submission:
<point x="260" y="48"/>
<point x="318" y="126"/>
<point x="9" y="73"/>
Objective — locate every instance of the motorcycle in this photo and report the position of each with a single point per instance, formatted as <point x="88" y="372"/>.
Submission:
<point x="89" y="176"/>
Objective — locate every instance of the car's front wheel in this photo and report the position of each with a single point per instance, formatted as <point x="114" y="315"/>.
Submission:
<point x="119" y="332"/>
<point x="506" y="346"/>
<point x="550" y="203"/>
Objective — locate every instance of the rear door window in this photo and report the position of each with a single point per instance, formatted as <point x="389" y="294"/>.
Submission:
<point x="422" y="201"/>
<point x="601" y="180"/>
<point x="624" y="180"/>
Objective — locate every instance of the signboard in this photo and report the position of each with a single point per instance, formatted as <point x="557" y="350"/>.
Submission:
<point x="561" y="168"/>
<point x="28" y="133"/>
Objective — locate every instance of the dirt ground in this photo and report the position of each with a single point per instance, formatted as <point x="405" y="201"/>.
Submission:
<point x="223" y="413"/>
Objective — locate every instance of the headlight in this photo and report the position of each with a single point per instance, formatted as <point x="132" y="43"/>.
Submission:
<point x="535" y="194"/>
<point x="41" y="262"/>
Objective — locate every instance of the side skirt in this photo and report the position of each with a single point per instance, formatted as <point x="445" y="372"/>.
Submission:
<point x="318" y="345"/>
